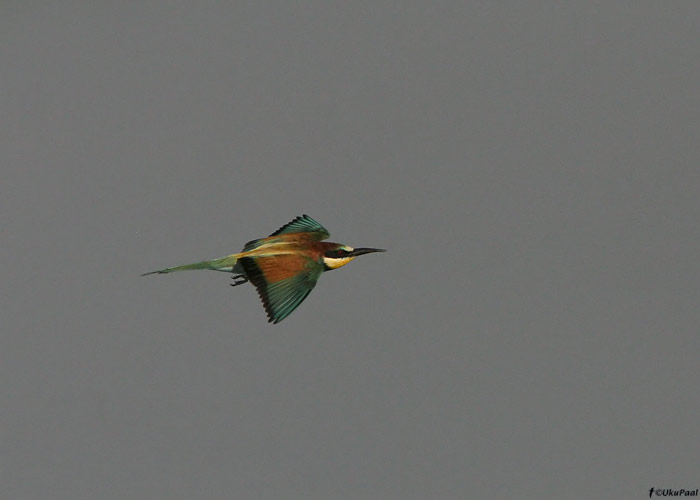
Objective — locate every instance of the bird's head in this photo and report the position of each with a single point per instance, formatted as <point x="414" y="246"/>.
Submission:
<point x="338" y="255"/>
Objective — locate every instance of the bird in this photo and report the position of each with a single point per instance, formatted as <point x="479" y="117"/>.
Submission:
<point x="284" y="267"/>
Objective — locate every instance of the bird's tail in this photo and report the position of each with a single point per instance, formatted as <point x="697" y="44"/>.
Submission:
<point x="222" y="264"/>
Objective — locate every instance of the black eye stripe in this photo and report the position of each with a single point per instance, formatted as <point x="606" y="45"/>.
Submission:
<point x="335" y="254"/>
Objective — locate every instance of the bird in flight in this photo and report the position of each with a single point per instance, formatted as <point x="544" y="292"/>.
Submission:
<point x="285" y="266"/>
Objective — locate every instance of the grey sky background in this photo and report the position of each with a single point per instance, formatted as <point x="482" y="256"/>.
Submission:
<point x="532" y="169"/>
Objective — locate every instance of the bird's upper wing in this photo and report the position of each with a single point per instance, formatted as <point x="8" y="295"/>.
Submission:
<point x="282" y="281"/>
<point x="304" y="227"/>
<point x="304" y="224"/>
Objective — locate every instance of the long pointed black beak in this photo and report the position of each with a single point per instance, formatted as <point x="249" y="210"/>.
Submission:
<point x="362" y="251"/>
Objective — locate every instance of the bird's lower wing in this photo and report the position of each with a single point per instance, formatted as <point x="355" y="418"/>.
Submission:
<point x="282" y="281"/>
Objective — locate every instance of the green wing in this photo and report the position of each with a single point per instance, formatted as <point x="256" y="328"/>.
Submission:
<point x="302" y="224"/>
<point x="282" y="286"/>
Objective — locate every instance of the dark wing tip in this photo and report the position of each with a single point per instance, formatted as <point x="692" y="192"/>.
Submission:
<point x="256" y="277"/>
<point x="295" y="220"/>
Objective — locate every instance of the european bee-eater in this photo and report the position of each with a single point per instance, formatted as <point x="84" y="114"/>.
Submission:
<point x="283" y="267"/>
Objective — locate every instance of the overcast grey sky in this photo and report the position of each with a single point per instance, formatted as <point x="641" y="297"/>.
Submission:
<point x="531" y="167"/>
